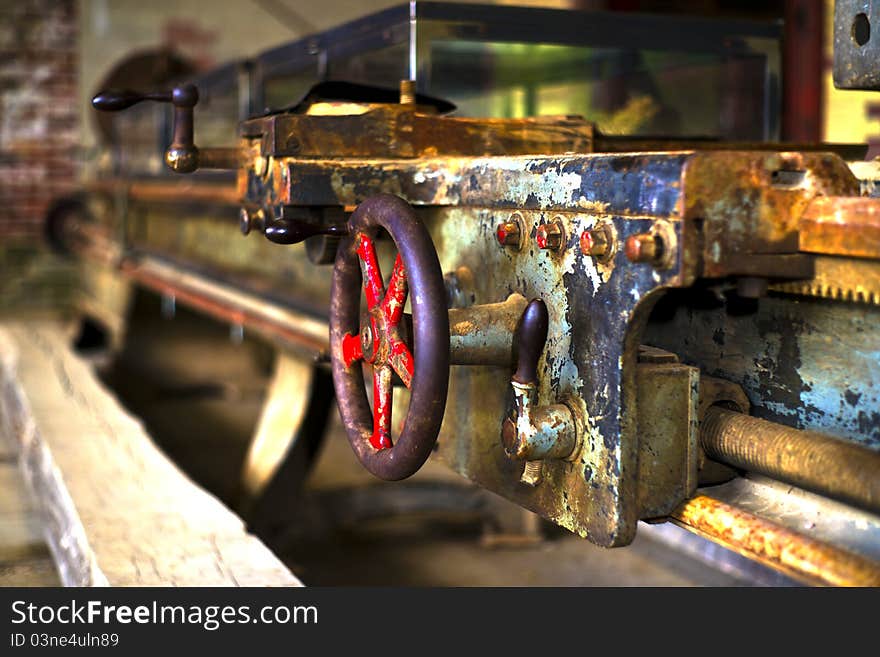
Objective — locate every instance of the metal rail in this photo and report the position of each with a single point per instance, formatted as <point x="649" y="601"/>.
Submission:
<point x="798" y="556"/>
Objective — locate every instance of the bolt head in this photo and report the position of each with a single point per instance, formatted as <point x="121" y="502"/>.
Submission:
<point x="508" y="233"/>
<point x="595" y="243"/>
<point x="643" y="247"/>
<point x="549" y="237"/>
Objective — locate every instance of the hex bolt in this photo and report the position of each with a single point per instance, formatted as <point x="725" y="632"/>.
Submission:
<point x="596" y="243"/>
<point x="510" y="233"/>
<point x="549" y="236"/>
<point x="644" y="247"/>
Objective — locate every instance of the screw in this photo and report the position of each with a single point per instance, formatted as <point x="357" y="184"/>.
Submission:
<point x="509" y="233"/>
<point x="596" y="243"/>
<point x="407" y="92"/>
<point x="549" y="236"/>
<point x="531" y="474"/>
<point x="644" y="247"/>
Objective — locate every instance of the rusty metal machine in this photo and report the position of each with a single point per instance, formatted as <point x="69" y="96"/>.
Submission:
<point x="652" y="313"/>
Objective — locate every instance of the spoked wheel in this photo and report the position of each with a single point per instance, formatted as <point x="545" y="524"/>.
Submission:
<point x="378" y="337"/>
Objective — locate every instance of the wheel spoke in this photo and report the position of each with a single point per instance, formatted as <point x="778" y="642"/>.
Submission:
<point x="351" y="349"/>
<point x="402" y="362"/>
<point x="381" y="438"/>
<point x="372" y="275"/>
<point x="395" y="297"/>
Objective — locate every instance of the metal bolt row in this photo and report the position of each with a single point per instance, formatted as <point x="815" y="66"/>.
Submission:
<point x="597" y="242"/>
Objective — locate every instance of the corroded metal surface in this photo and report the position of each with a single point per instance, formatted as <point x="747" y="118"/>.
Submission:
<point x="668" y="451"/>
<point x="804" y="362"/>
<point x="847" y="226"/>
<point x="855" y="44"/>
<point x="483" y="335"/>
<point x="824" y="520"/>
<point x="774" y="545"/>
<point x="751" y="204"/>
<point x="585" y="360"/>
<point x="395" y="131"/>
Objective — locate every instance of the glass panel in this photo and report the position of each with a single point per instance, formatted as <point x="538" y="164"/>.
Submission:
<point x="285" y="90"/>
<point x="625" y="91"/>
<point x="216" y="117"/>
<point x="142" y="139"/>
<point x="383" y="67"/>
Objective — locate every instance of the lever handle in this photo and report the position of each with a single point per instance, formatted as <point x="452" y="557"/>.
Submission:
<point x="293" y="231"/>
<point x="115" y="101"/>
<point x="529" y="340"/>
<point x="182" y="155"/>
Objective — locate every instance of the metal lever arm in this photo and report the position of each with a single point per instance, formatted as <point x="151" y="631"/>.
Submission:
<point x="294" y="231"/>
<point x="535" y="432"/>
<point x="529" y="340"/>
<point x="116" y="101"/>
<point x="182" y="155"/>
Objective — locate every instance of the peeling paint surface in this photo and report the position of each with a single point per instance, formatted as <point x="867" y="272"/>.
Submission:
<point x="807" y="363"/>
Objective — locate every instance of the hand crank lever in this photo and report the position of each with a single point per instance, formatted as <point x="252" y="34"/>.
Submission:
<point x="182" y="155"/>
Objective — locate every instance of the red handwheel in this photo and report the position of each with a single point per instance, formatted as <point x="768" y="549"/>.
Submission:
<point x="377" y="338"/>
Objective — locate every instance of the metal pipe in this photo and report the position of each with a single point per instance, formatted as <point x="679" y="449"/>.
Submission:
<point x="807" y="459"/>
<point x="483" y="335"/>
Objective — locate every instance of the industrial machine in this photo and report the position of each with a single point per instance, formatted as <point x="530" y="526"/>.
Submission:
<point x="599" y="289"/>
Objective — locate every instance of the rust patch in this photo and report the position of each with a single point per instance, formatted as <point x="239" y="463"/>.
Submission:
<point x="780" y="548"/>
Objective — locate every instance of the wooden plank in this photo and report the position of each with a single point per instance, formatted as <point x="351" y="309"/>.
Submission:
<point x="21" y="531"/>
<point x="116" y="510"/>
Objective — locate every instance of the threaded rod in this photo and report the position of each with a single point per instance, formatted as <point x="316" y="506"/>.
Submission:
<point x="808" y="459"/>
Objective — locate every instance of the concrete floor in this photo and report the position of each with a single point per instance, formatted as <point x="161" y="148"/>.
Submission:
<point x="199" y="395"/>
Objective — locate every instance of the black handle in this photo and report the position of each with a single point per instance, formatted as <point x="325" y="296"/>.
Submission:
<point x="293" y="231"/>
<point x="117" y="100"/>
<point x="529" y="341"/>
<point x="114" y="101"/>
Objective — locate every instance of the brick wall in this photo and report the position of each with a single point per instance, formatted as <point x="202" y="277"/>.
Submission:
<point x="38" y="111"/>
